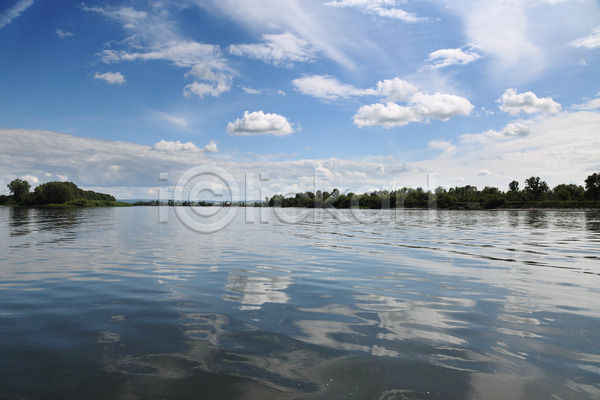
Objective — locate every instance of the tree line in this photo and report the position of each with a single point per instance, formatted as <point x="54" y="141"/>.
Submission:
<point x="535" y="193"/>
<point x="64" y="193"/>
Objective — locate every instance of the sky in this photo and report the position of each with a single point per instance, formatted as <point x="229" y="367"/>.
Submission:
<point x="284" y="96"/>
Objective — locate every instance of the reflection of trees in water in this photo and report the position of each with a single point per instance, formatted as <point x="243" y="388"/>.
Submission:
<point x="592" y="221"/>
<point x="537" y="219"/>
<point x="28" y="220"/>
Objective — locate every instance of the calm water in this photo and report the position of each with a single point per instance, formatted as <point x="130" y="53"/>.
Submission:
<point x="110" y="304"/>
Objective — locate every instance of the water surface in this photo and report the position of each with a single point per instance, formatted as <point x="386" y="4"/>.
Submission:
<point x="411" y="304"/>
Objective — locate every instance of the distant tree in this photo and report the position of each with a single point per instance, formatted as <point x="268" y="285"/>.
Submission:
<point x="490" y="190"/>
<point x="513" y="186"/>
<point x="56" y="193"/>
<point x="536" y="188"/>
<point x="569" y="192"/>
<point x="19" y="189"/>
<point x="592" y="186"/>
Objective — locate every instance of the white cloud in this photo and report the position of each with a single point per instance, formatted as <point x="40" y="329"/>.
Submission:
<point x="396" y="89"/>
<point x="13" y="12"/>
<point x="523" y="128"/>
<point x="249" y="90"/>
<point x="516" y="103"/>
<point x="130" y="18"/>
<point x="164" y="145"/>
<point x="114" y="78"/>
<point x="154" y="38"/>
<point x="446" y="57"/>
<point x="211" y="147"/>
<point x="381" y="8"/>
<point x="502" y="29"/>
<point x="560" y="148"/>
<point x="386" y="115"/>
<point x="177" y="146"/>
<point x="443" y="145"/>
<point x="63" y="34"/>
<point x="589" y="42"/>
<point x="484" y="172"/>
<point x="325" y="34"/>
<point x="441" y="106"/>
<point x="259" y="123"/>
<point x="282" y="49"/>
<point x="328" y="88"/>
<point x="129" y="170"/>
<point x="182" y="53"/>
<point x="202" y="89"/>
<point x="593" y="104"/>
<point x="422" y="107"/>
<point x="511" y="130"/>
<point x="31" y="179"/>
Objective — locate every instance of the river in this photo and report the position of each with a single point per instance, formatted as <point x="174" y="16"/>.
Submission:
<point x="124" y="303"/>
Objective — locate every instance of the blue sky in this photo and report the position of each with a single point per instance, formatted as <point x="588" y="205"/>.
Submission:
<point x="356" y="94"/>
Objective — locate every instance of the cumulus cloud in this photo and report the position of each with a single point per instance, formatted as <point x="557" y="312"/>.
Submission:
<point x="259" y="123"/>
<point x="211" y="147"/>
<point x="282" y="49"/>
<point x="31" y="178"/>
<point x="446" y="57"/>
<point x="484" y="172"/>
<point x="422" y="106"/>
<point x="63" y="34"/>
<point x="114" y="78"/>
<point x="380" y="8"/>
<point x="326" y="87"/>
<point x="396" y="89"/>
<point x="516" y="103"/>
<point x="202" y="89"/>
<point x="13" y="12"/>
<point x="387" y="115"/>
<point x="440" y="106"/>
<point x="589" y="42"/>
<point x="523" y="128"/>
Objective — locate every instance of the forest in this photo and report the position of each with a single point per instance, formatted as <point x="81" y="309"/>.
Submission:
<point x="535" y="194"/>
<point x="65" y="194"/>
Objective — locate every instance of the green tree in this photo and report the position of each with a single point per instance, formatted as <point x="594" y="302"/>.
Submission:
<point x="569" y="192"/>
<point x="513" y="186"/>
<point x="19" y="189"/>
<point x="536" y="188"/>
<point x="56" y="193"/>
<point x="592" y="186"/>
